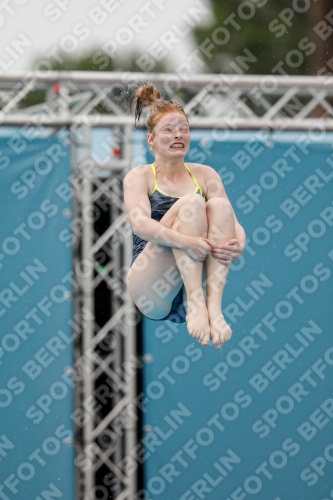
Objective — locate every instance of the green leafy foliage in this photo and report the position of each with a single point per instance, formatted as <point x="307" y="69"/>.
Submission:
<point x="267" y="30"/>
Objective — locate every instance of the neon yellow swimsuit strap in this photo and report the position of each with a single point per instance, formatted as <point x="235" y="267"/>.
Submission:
<point x="194" y="179"/>
<point x="155" y="181"/>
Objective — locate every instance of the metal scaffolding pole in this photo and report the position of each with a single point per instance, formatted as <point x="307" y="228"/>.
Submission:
<point x="88" y="304"/>
<point x="130" y="343"/>
<point x="240" y="80"/>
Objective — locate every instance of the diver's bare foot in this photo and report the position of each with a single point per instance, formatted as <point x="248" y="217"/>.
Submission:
<point x="220" y="331"/>
<point x="198" y="322"/>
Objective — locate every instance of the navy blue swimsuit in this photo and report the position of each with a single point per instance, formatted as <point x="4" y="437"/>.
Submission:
<point x="160" y="204"/>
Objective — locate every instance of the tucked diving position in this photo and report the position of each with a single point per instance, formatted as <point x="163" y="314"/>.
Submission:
<point x="182" y="220"/>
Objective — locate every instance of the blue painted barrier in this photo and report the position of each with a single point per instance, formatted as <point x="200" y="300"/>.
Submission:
<point x="254" y="420"/>
<point x="36" y="391"/>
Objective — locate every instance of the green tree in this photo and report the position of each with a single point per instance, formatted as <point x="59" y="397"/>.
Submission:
<point x="95" y="60"/>
<point x="270" y="33"/>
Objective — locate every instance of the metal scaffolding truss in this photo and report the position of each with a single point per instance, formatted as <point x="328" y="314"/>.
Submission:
<point x="98" y="99"/>
<point x="106" y="357"/>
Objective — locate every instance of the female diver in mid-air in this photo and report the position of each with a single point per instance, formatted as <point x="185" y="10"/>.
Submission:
<point x="181" y="217"/>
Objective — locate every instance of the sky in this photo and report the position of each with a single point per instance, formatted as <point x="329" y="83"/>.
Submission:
<point x="34" y="30"/>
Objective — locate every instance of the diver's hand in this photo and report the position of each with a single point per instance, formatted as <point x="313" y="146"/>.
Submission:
<point x="229" y="252"/>
<point x="197" y="247"/>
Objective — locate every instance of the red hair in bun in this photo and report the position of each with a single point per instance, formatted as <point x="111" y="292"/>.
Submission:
<point x="149" y="96"/>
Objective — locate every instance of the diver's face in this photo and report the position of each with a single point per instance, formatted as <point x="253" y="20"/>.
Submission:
<point x="171" y="137"/>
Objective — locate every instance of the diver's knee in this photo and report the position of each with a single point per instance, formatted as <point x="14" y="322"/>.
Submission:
<point x="219" y="204"/>
<point x="193" y="210"/>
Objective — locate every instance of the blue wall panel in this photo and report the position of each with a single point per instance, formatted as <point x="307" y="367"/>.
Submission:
<point x="254" y="420"/>
<point x="36" y="388"/>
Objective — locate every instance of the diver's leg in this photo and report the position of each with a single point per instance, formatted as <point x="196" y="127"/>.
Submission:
<point x="155" y="278"/>
<point x="192" y="221"/>
<point x="221" y="228"/>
